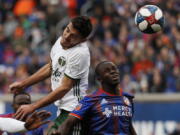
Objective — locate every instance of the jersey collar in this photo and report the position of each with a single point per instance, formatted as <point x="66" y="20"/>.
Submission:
<point x="109" y="94"/>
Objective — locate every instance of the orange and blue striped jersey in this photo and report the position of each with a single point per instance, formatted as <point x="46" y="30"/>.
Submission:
<point x="106" y="114"/>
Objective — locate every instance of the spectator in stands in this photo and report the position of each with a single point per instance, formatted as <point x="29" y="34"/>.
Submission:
<point x="115" y="31"/>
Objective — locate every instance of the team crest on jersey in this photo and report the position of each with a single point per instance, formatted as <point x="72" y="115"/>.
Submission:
<point x="78" y="107"/>
<point x="126" y="101"/>
<point x="62" y="61"/>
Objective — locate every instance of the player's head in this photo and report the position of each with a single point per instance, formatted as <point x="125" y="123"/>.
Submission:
<point x="20" y="99"/>
<point x="76" y="31"/>
<point x="107" y="73"/>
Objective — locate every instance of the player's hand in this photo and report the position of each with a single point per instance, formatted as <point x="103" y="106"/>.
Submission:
<point x="23" y="111"/>
<point x="36" y="120"/>
<point x="16" y="87"/>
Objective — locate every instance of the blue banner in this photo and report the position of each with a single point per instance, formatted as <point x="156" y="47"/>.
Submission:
<point x="150" y="118"/>
<point x="157" y="111"/>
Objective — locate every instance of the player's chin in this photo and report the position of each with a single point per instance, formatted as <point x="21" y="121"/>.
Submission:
<point x="66" y="44"/>
<point x="63" y="42"/>
<point x="115" y="81"/>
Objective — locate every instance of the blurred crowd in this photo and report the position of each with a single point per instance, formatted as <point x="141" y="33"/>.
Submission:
<point x="147" y="63"/>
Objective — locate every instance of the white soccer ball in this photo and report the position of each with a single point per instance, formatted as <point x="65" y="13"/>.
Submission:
<point x="149" y="19"/>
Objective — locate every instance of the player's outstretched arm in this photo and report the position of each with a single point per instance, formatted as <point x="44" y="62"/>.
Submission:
<point x="11" y="125"/>
<point x="38" y="76"/>
<point x="34" y="121"/>
<point x="58" y="93"/>
<point x="66" y="127"/>
<point x="132" y="130"/>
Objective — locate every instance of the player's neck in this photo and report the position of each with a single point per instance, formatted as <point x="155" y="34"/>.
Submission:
<point x="112" y="89"/>
<point x="67" y="47"/>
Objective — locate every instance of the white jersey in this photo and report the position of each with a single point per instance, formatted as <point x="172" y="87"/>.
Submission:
<point x="74" y="63"/>
<point x="11" y="126"/>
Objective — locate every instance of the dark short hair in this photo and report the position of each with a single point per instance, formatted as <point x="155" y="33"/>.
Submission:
<point x="98" y="67"/>
<point x="21" y="93"/>
<point x="83" y="25"/>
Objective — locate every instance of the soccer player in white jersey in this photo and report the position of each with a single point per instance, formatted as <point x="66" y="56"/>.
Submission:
<point x="68" y="68"/>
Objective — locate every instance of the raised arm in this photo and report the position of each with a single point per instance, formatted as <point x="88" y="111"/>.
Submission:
<point x="38" y="76"/>
<point x="32" y="122"/>
<point x="11" y="125"/>
<point x="58" y="93"/>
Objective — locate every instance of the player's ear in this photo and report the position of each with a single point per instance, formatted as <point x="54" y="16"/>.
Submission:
<point x="98" y="78"/>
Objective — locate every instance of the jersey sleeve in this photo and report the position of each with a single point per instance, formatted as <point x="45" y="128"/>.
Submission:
<point x="82" y="108"/>
<point x="77" y="65"/>
<point x="11" y="125"/>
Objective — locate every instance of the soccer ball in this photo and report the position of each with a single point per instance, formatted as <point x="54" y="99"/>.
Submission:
<point x="149" y="19"/>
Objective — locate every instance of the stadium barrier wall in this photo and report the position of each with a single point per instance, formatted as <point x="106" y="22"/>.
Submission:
<point x="154" y="114"/>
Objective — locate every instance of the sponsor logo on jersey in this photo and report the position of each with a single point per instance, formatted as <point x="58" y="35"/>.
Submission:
<point x="78" y="107"/>
<point x="107" y="112"/>
<point x="121" y="110"/>
<point x="117" y="110"/>
<point x="56" y="73"/>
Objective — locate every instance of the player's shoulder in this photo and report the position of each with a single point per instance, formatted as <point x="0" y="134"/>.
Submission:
<point x="57" y="45"/>
<point x="81" y="48"/>
<point x="79" y="52"/>
<point x="128" y="95"/>
<point x="10" y="115"/>
<point x="57" y="42"/>
<point x="94" y="96"/>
